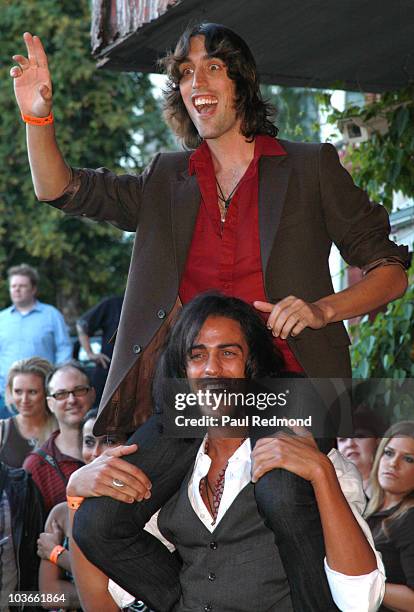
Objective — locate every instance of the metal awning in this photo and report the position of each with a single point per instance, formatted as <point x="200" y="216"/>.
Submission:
<point x="362" y="45"/>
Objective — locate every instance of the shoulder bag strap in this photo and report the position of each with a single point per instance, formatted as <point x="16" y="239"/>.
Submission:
<point x="4" y="431"/>
<point x="52" y="462"/>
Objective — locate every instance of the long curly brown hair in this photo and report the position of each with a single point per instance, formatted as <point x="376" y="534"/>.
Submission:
<point x="256" y="114"/>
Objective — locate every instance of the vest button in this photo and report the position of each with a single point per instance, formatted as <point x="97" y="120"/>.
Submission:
<point x="208" y="607"/>
<point x="211" y="576"/>
<point x="213" y="545"/>
<point x="161" y="313"/>
<point x="136" y="349"/>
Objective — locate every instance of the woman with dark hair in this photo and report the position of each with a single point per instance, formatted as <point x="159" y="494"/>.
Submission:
<point x="34" y="423"/>
<point x="390" y="513"/>
<point x="217" y="337"/>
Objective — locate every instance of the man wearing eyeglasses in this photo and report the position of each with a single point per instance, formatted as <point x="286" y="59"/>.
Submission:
<point x="69" y="397"/>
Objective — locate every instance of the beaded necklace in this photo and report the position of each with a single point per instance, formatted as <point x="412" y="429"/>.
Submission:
<point x="216" y="492"/>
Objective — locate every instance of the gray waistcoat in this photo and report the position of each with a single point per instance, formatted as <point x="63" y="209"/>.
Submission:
<point x="236" y="568"/>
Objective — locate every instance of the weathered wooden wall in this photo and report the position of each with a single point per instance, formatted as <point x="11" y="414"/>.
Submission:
<point x="113" y="20"/>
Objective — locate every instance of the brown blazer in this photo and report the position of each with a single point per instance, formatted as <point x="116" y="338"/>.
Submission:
<point x="307" y="200"/>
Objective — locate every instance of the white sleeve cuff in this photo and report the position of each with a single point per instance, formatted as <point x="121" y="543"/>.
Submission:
<point x="122" y="598"/>
<point x="356" y="593"/>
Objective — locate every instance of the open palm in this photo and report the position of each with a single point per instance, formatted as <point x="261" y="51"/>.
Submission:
<point x="32" y="84"/>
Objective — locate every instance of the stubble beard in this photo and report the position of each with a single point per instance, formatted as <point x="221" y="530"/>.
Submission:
<point x="213" y="132"/>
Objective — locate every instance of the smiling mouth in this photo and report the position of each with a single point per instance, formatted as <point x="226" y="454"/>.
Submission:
<point x="204" y="104"/>
<point x="214" y="385"/>
<point x="219" y="385"/>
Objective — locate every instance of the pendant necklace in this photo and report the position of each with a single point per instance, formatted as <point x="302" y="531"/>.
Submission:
<point x="226" y="201"/>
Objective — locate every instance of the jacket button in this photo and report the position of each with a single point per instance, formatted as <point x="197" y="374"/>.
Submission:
<point x="211" y="576"/>
<point x="213" y="545"/>
<point x="161" y="314"/>
<point x="136" y="349"/>
<point x="208" y="607"/>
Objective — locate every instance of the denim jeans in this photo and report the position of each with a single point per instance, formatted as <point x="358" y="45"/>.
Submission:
<point x="111" y="535"/>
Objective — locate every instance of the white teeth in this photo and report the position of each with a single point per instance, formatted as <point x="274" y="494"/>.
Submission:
<point x="202" y="101"/>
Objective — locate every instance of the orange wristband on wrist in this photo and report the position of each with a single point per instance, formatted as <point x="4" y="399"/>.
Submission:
<point x="56" y="552"/>
<point x="38" y="120"/>
<point x="74" y="502"/>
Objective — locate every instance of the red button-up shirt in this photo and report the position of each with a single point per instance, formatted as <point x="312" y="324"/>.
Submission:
<point x="226" y="256"/>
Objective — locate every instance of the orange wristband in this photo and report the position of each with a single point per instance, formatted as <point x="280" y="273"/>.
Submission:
<point x="74" y="502"/>
<point x="56" y="552"/>
<point x="38" y="120"/>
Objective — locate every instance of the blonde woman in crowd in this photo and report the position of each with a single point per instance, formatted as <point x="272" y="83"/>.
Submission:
<point x="390" y="514"/>
<point x="34" y="423"/>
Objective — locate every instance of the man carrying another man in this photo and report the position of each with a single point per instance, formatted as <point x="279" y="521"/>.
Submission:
<point x="245" y="213"/>
<point x="219" y="519"/>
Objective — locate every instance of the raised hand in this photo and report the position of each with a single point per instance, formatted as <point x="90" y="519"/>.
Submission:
<point x="32" y="83"/>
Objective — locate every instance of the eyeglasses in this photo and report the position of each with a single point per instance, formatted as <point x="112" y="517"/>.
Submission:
<point x="64" y="394"/>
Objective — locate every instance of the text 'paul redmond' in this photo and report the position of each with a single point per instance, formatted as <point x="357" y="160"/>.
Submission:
<point x="245" y="421"/>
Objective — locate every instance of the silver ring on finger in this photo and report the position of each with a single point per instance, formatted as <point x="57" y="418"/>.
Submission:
<point x="117" y="483"/>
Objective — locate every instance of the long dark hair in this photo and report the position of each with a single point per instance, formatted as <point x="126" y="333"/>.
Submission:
<point x="263" y="359"/>
<point x="223" y="43"/>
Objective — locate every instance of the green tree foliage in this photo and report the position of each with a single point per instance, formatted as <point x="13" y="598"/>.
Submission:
<point x="383" y="348"/>
<point x="385" y="163"/>
<point x="102" y="118"/>
<point x="383" y="351"/>
<point x="297" y="111"/>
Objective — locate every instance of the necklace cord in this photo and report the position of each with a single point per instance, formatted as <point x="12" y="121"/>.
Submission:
<point x="222" y="197"/>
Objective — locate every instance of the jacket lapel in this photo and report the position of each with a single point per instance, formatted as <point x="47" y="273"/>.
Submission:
<point x="274" y="175"/>
<point x="185" y="202"/>
<point x="273" y="182"/>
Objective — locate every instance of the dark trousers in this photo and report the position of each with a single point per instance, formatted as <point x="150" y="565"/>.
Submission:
<point x="111" y="535"/>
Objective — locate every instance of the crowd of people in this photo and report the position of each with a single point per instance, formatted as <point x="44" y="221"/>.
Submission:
<point x="229" y="279"/>
<point x="40" y="418"/>
<point x="74" y="461"/>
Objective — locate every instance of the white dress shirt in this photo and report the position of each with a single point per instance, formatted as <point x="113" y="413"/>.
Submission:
<point x="350" y="593"/>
